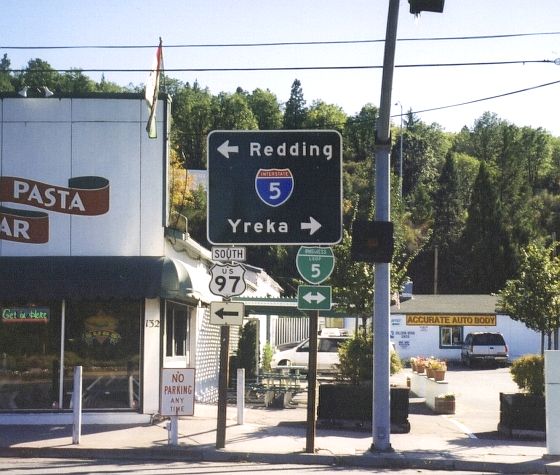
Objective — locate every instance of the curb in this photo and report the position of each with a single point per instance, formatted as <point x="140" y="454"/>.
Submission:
<point x="369" y="460"/>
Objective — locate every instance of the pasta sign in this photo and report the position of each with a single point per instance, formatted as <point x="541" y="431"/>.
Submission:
<point x="177" y="392"/>
<point x="84" y="196"/>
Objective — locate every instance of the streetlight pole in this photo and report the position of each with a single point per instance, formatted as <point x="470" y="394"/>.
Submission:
<point x="381" y="411"/>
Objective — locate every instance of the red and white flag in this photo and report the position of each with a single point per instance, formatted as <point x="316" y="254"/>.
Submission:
<point x="152" y="91"/>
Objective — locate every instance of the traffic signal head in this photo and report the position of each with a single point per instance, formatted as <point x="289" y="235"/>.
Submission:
<point x="372" y="241"/>
<point x="417" y="6"/>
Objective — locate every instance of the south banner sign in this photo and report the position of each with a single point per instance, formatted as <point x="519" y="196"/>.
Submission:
<point x="274" y="187"/>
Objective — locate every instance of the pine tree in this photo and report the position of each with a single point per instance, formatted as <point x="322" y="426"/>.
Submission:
<point x="448" y="224"/>
<point x="295" y="112"/>
<point x="487" y="255"/>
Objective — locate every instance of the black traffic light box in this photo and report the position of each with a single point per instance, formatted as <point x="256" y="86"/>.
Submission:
<point x="372" y="241"/>
<point x="417" y="6"/>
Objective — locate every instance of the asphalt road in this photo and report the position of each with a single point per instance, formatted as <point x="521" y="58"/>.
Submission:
<point x="13" y="466"/>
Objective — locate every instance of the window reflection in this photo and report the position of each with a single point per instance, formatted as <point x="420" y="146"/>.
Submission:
<point x="104" y="338"/>
<point x="29" y="356"/>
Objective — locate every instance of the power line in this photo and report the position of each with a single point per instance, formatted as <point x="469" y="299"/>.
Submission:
<point x="284" y="68"/>
<point x="282" y="43"/>
<point x="474" y="101"/>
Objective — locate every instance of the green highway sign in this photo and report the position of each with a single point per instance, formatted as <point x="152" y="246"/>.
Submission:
<point x="315" y="264"/>
<point x="314" y="297"/>
<point x="274" y="187"/>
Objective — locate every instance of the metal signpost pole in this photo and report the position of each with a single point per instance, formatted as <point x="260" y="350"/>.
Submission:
<point x="312" y="383"/>
<point x="222" y="388"/>
<point x="381" y="412"/>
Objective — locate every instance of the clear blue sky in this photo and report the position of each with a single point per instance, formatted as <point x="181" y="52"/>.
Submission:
<point x="142" y="22"/>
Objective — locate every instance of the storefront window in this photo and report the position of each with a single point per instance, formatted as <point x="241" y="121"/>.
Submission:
<point x="450" y="337"/>
<point x="177" y="332"/>
<point x="29" y="355"/>
<point x="104" y="338"/>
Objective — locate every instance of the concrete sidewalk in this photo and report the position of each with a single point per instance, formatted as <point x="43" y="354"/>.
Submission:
<point x="279" y="436"/>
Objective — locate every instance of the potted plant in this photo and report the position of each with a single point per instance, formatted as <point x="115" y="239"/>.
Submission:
<point x="445" y="404"/>
<point x="350" y="398"/>
<point x="523" y="413"/>
<point x="420" y="365"/>
<point x="437" y="369"/>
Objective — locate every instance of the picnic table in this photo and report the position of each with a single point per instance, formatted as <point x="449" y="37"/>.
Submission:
<point x="277" y="388"/>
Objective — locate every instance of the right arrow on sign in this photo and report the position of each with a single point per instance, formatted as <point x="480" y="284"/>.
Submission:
<point x="313" y="225"/>
<point x="225" y="149"/>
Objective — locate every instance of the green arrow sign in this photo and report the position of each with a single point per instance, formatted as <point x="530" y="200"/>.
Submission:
<point x="315" y="264"/>
<point x="314" y="297"/>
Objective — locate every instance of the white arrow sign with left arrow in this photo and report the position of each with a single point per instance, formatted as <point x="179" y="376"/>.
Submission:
<point x="227" y="313"/>
<point x="314" y="297"/>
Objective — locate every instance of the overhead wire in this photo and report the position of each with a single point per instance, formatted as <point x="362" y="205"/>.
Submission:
<point x="474" y="101"/>
<point x="299" y="68"/>
<point x="282" y="43"/>
<point x="288" y="68"/>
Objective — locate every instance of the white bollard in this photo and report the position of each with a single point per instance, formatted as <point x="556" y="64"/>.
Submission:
<point x="240" y="396"/>
<point x="77" y="405"/>
<point x="552" y="400"/>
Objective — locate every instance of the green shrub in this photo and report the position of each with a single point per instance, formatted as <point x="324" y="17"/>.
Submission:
<point x="268" y="351"/>
<point x="528" y="373"/>
<point x="247" y="353"/>
<point x="356" y="359"/>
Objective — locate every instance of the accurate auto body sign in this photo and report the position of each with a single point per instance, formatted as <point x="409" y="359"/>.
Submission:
<point x="451" y="320"/>
<point x="84" y="196"/>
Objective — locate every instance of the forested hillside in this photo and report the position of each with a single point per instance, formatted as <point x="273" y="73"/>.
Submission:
<point x="470" y="201"/>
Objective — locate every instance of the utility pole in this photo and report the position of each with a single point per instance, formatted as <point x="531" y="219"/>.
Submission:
<point x="381" y="411"/>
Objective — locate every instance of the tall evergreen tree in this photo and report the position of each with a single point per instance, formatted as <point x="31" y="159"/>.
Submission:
<point x="448" y="224"/>
<point x="296" y="111"/>
<point x="486" y="251"/>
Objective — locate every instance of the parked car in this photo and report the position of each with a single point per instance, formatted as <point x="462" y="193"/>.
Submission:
<point x="327" y="354"/>
<point x="484" y="346"/>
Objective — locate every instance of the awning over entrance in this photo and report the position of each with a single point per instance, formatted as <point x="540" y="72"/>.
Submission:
<point x="90" y="278"/>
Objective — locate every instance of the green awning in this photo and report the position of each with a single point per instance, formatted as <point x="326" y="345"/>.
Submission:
<point x="92" y="277"/>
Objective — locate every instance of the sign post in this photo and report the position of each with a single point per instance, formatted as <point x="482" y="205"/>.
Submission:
<point x="224" y="314"/>
<point x="222" y="388"/>
<point x="274" y="187"/>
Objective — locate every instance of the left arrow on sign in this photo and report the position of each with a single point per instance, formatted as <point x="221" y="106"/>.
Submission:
<point x="223" y="313"/>
<point x="225" y="149"/>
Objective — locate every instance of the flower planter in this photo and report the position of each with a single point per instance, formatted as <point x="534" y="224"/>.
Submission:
<point x="348" y="402"/>
<point x="439" y="374"/>
<point x="522" y="415"/>
<point x="444" y="405"/>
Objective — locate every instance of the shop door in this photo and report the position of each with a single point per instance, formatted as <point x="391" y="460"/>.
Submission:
<point x="177" y="336"/>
